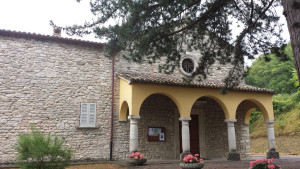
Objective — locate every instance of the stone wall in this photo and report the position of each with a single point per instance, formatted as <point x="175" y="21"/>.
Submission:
<point x="157" y="111"/>
<point x="242" y="135"/>
<point x="42" y="83"/>
<point x="217" y="72"/>
<point x="216" y="130"/>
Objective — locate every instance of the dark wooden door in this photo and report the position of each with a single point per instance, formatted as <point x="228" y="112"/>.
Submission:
<point x="194" y="135"/>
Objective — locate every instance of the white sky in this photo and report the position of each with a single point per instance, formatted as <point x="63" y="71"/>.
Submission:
<point x="34" y="16"/>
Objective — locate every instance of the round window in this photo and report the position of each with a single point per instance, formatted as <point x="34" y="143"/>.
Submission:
<point x="187" y="65"/>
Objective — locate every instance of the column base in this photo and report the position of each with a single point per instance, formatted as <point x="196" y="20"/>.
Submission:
<point x="272" y="154"/>
<point x="233" y="156"/>
<point x="183" y="154"/>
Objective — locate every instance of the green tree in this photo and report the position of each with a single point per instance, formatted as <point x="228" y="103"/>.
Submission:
<point x="273" y="74"/>
<point x="37" y="151"/>
<point x="147" y="30"/>
<point x="292" y="14"/>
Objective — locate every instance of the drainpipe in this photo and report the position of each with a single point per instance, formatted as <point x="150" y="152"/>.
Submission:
<point x="112" y="107"/>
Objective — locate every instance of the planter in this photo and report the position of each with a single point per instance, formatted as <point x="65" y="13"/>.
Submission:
<point x="192" y="165"/>
<point x="133" y="161"/>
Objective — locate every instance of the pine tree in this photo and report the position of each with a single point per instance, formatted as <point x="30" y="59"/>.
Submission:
<point x="292" y="14"/>
<point x="147" y="30"/>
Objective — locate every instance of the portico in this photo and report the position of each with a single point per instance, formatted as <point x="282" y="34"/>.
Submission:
<point x="136" y="88"/>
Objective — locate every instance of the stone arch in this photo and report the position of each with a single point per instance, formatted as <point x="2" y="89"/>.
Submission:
<point x="159" y="110"/>
<point x="249" y="105"/>
<point x="123" y="111"/>
<point x="160" y="93"/>
<point x="219" y="101"/>
<point x="211" y="115"/>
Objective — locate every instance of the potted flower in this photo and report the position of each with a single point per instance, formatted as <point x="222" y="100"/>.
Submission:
<point x="192" y="161"/>
<point x="264" y="163"/>
<point x="137" y="158"/>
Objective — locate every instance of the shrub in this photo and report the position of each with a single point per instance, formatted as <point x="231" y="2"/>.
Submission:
<point x="38" y="151"/>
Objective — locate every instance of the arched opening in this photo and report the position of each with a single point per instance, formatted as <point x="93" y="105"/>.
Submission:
<point x="159" y="112"/>
<point x="124" y="111"/>
<point x="247" y="113"/>
<point x="208" y="131"/>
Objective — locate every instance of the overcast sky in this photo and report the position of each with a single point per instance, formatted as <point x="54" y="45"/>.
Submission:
<point x="34" y="15"/>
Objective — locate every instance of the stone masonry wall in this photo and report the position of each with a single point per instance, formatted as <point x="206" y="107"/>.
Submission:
<point x="216" y="130"/>
<point x="242" y="135"/>
<point x="217" y="72"/>
<point x="157" y="111"/>
<point x="42" y="83"/>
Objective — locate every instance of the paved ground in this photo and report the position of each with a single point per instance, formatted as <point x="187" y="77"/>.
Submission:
<point x="286" y="162"/>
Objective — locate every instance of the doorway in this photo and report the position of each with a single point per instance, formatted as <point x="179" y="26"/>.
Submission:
<point x="194" y="135"/>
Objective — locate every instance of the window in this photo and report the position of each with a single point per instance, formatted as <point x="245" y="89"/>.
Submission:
<point x="187" y="65"/>
<point x="88" y="115"/>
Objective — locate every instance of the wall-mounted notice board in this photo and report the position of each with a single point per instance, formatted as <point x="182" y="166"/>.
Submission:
<point x="156" y="134"/>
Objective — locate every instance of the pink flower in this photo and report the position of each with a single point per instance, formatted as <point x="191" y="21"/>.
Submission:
<point x="136" y="157"/>
<point x="196" y="155"/>
<point x="191" y="161"/>
<point x="271" y="166"/>
<point x="201" y="159"/>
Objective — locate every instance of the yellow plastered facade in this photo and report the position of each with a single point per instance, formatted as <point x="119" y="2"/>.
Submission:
<point x="185" y="97"/>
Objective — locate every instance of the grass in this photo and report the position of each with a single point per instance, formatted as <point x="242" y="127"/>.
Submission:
<point x="286" y="145"/>
<point x="287" y="133"/>
<point x="287" y="124"/>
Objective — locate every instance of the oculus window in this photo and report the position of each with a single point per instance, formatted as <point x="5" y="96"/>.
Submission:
<point x="187" y="66"/>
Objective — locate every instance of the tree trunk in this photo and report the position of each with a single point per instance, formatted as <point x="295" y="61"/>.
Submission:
<point x="292" y="13"/>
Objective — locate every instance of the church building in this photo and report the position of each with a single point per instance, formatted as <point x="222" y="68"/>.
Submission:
<point x="108" y="107"/>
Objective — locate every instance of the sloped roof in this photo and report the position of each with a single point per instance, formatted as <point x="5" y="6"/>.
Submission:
<point x="4" y="32"/>
<point x="140" y="78"/>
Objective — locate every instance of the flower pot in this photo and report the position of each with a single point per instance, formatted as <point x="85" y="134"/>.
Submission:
<point x="191" y="165"/>
<point x="133" y="161"/>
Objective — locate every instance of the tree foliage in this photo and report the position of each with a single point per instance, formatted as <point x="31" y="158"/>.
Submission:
<point x="37" y="151"/>
<point x="273" y="74"/>
<point x="147" y="30"/>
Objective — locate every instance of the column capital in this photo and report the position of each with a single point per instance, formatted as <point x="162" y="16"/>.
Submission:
<point x="134" y="117"/>
<point x="185" y="118"/>
<point x="230" y="120"/>
<point x="270" y="121"/>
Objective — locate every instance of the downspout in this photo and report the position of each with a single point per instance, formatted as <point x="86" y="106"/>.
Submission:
<point x="112" y="106"/>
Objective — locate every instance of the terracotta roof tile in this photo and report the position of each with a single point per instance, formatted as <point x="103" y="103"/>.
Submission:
<point x="134" y="78"/>
<point x="4" y="32"/>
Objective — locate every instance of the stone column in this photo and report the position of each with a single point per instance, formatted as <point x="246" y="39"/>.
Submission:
<point x="232" y="155"/>
<point x="185" y="134"/>
<point x="134" y="138"/>
<point x="271" y="138"/>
